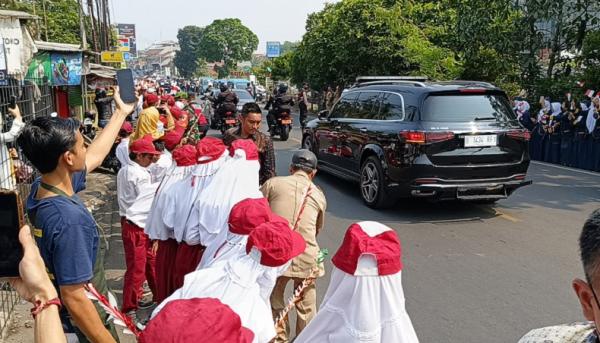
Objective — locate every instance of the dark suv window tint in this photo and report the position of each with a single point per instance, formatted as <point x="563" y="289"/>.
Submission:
<point x="367" y="106"/>
<point x="461" y="108"/>
<point x="344" y="106"/>
<point x="392" y="107"/>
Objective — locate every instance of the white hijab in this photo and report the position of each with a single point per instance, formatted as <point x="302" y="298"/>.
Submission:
<point x="363" y="307"/>
<point x="236" y="181"/>
<point x="155" y="228"/>
<point x="234" y="283"/>
<point x="590" y="122"/>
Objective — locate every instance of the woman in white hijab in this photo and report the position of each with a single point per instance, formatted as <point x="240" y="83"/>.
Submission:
<point x="365" y="299"/>
<point x="234" y="283"/>
<point x="7" y="179"/>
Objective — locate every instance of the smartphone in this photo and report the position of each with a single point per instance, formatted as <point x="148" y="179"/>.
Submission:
<point x="126" y="85"/>
<point x="11" y="251"/>
<point x="13" y="102"/>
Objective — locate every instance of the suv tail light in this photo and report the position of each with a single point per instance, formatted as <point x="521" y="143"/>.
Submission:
<point x="420" y="137"/>
<point x="522" y="135"/>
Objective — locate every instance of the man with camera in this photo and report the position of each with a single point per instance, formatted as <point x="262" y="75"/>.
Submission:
<point x="64" y="229"/>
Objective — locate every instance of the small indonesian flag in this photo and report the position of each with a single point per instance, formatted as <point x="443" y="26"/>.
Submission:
<point x="590" y="93"/>
<point x="580" y="84"/>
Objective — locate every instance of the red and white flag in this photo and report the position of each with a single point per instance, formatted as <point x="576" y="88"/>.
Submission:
<point x="580" y="84"/>
<point x="590" y="93"/>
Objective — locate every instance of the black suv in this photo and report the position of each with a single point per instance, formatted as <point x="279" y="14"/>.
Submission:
<point x="437" y="140"/>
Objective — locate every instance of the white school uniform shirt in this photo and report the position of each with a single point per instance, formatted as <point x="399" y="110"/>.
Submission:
<point x="122" y="151"/>
<point x="159" y="169"/>
<point x="130" y="180"/>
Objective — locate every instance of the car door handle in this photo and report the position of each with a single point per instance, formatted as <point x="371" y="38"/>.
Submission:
<point x="363" y="130"/>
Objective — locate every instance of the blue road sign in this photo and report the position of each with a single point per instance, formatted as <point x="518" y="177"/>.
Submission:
<point x="127" y="56"/>
<point x="273" y="49"/>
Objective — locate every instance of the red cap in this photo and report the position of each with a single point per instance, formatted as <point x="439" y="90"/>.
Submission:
<point x="185" y="155"/>
<point x="151" y="99"/>
<point x="248" y="146"/>
<point x="276" y="242"/>
<point x="197" y="320"/>
<point x="127" y="127"/>
<point x="248" y="214"/>
<point x="171" y="101"/>
<point x="210" y="149"/>
<point x="370" y="238"/>
<point x="144" y="146"/>
<point x="173" y="137"/>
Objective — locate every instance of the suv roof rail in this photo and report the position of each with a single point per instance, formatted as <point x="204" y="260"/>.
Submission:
<point x="389" y="80"/>
<point x="362" y="79"/>
<point x="468" y="83"/>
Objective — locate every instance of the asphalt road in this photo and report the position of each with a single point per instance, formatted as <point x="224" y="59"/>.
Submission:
<point x="477" y="273"/>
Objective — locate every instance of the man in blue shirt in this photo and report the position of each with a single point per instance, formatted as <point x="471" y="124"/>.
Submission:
<point x="65" y="231"/>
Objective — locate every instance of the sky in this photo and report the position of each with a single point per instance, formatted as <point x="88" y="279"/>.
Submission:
<point x="270" y="20"/>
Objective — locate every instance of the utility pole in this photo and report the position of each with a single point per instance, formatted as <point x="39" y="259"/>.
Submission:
<point x="82" y="26"/>
<point x="45" y="19"/>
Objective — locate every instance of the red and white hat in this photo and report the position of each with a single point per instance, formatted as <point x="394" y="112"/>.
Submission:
<point x="196" y="320"/>
<point x="246" y="145"/>
<point x="375" y="240"/>
<point x="144" y="146"/>
<point x="185" y="156"/>
<point x="276" y="242"/>
<point x="210" y="149"/>
<point x="248" y="214"/>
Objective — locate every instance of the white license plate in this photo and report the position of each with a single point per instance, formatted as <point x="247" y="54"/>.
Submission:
<point x="479" y="141"/>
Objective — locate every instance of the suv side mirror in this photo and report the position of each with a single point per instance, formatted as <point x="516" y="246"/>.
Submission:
<point x="323" y="115"/>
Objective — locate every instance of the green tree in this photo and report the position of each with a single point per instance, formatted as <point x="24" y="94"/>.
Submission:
<point x="288" y="46"/>
<point x="62" y="18"/>
<point x="227" y="40"/>
<point x="186" y="59"/>
<point x="367" y="37"/>
<point x="281" y="67"/>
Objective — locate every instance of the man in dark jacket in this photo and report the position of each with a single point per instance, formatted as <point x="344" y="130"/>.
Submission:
<point x="226" y="102"/>
<point x="282" y="102"/>
<point x="103" y="107"/>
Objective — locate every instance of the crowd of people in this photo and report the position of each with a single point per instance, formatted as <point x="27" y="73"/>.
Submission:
<point x="218" y="236"/>
<point x="565" y="132"/>
<point x="213" y="231"/>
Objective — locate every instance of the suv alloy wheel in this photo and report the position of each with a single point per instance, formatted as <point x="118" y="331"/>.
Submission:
<point x="372" y="184"/>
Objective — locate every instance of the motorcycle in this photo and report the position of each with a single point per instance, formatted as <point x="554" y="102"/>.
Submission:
<point x="227" y="121"/>
<point x="282" y="125"/>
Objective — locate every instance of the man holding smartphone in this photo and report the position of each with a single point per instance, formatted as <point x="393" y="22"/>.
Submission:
<point x="64" y="229"/>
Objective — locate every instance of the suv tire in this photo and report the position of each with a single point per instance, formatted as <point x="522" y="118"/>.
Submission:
<point x="372" y="188"/>
<point x="307" y="144"/>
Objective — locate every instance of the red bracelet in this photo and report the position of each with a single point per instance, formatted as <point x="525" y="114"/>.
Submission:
<point x="39" y="307"/>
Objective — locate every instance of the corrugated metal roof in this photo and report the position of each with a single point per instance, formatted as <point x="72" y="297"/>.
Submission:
<point x="52" y="46"/>
<point x="16" y="14"/>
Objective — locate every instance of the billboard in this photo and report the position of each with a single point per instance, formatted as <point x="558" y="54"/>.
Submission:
<point x="126" y="34"/>
<point x="66" y="68"/>
<point x="273" y="49"/>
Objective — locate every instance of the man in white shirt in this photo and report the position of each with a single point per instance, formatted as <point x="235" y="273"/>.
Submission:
<point x="133" y="182"/>
<point x="122" y="150"/>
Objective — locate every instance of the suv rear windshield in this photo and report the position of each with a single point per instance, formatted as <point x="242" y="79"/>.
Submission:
<point x="466" y="108"/>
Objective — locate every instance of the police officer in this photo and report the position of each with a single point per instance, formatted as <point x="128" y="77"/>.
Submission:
<point x="280" y="103"/>
<point x="226" y="102"/>
<point x="297" y="199"/>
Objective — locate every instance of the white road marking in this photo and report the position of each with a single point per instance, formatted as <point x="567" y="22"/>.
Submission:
<point x="587" y="172"/>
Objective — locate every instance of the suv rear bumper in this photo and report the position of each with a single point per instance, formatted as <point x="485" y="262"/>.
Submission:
<point x="481" y="189"/>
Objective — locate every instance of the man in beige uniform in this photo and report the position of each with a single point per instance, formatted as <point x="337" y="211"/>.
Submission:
<point x="297" y="199"/>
